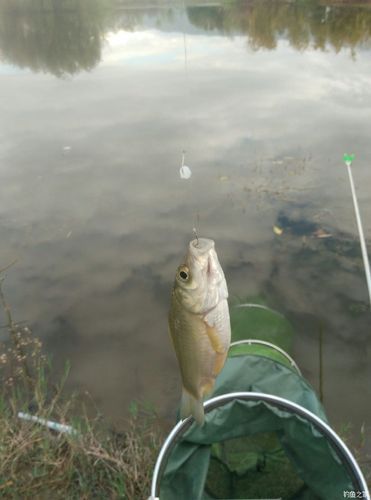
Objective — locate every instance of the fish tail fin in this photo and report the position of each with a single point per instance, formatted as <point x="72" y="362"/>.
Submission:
<point x="190" y="405"/>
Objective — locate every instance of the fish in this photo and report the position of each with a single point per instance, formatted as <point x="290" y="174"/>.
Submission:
<point x="199" y="324"/>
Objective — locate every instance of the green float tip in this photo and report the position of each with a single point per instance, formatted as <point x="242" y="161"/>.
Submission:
<point x="348" y="159"/>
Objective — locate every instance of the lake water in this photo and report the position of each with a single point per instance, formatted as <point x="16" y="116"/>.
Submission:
<point x="98" y="101"/>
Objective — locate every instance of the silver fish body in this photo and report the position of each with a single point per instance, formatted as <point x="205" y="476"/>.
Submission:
<point x="199" y="324"/>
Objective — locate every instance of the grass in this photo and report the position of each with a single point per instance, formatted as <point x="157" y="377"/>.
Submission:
<point x="355" y="439"/>
<point x="35" y="462"/>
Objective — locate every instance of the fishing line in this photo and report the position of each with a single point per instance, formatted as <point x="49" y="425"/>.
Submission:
<point x="185" y="171"/>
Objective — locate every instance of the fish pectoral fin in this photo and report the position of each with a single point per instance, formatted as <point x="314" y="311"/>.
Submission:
<point x="214" y="338"/>
<point x="207" y="387"/>
<point x="190" y="405"/>
<point x="219" y="363"/>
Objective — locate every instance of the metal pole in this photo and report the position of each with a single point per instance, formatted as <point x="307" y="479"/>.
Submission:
<point x="366" y="262"/>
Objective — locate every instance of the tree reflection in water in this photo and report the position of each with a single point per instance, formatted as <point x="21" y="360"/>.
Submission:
<point x="50" y="35"/>
<point x="304" y="24"/>
<point x="65" y="37"/>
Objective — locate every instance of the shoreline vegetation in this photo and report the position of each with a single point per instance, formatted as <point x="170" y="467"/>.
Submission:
<point x="92" y="462"/>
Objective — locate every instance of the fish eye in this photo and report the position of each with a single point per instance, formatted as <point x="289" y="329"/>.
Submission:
<point x="183" y="274"/>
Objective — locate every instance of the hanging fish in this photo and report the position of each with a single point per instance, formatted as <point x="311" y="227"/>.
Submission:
<point x="199" y="324"/>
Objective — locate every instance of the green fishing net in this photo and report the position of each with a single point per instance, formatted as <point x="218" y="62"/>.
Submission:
<point x="256" y="449"/>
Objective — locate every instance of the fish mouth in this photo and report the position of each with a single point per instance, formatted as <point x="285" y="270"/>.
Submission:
<point x="202" y="255"/>
<point x="201" y="246"/>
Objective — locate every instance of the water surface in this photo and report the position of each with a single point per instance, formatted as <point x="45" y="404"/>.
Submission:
<point x="98" y="101"/>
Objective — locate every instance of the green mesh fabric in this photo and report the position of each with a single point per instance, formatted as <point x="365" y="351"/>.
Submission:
<point x="252" y="449"/>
